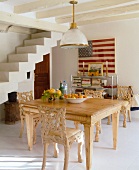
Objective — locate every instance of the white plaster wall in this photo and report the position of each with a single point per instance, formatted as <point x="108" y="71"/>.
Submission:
<point x="8" y="42"/>
<point x="27" y="85"/>
<point x="127" y="47"/>
<point x="64" y="64"/>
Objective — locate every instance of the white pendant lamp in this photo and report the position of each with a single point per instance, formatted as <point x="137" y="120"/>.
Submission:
<point x="73" y="38"/>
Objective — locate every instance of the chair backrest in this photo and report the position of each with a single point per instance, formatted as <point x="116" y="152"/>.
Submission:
<point x="53" y="124"/>
<point x="94" y="94"/>
<point x="24" y="96"/>
<point x="124" y="93"/>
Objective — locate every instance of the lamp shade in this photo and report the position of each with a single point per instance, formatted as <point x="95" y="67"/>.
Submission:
<point x="73" y="38"/>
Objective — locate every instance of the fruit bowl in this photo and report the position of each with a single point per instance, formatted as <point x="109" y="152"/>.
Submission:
<point x="75" y="100"/>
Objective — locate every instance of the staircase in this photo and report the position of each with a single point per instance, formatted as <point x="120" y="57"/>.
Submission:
<point x="23" y="61"/>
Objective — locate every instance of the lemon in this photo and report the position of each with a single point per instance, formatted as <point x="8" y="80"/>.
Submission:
<point x="52" y="90"/>
<point x="58" y="92"/>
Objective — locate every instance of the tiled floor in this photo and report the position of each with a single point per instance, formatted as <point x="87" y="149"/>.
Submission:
<point x="14" y="154"/>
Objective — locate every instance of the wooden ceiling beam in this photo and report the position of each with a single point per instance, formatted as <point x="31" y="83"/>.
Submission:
<point x="14" y="19"/>
<point x="11" y="28"/>
<point x="99" y="14"/>
<point x="3" y="0"/>
<point x="82" y="7"/>
<point x="109" y="19"/>
<point x="39" y="4"/>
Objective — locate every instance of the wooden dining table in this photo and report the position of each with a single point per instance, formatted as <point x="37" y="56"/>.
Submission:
<point x="87" y="113"/>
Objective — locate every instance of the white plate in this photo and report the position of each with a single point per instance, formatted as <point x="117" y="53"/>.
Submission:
<point x="78" y="100"/>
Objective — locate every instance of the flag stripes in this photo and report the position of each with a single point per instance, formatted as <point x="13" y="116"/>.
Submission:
<point x="102" y="50"/>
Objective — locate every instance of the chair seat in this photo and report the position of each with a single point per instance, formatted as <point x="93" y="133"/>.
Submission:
<point x="69" y="132"/>
<point x="72" y="132"/>
<point x="36" y="115"/>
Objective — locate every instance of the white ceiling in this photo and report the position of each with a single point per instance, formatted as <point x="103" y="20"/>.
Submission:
<point x="59" y="12"/>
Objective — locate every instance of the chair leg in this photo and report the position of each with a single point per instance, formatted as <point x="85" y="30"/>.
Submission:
<point x="97" y="131"/>
<point x="56" y="150"/>
<point x="80" y="146"/>
<point x="109" y="120"/>
<point x="125" y="117"/>
<point x="66" y="159"/>
<point x="44" y="155"/>
<point x="100" y="130"/>
<point x="129" y="115"/>
<point x="22" y="126"/>
<point x="34" y="136"/>
<point x="36" y="122"/>
<point x="76" y="124"/>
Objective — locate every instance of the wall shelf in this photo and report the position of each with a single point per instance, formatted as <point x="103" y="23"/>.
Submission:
<point x="95" y="83"/>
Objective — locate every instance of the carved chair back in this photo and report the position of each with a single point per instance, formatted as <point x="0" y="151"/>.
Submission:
<point x="94" y="94"/>
<point x="53" y="124"/>
<point x="124" y="93"/>
<point x="24" y="96"/>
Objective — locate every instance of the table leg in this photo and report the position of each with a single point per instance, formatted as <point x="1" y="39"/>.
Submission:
<point x="109" y="120"/>
<point x="29" y="126"/>
<point x="124" y="110"/>
<point x="115" y="124"/>
<point x="97" y="124"/>
<point x="89" y="131"/>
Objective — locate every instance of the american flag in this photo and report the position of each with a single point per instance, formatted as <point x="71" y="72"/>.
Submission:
<point x="101" y="50"/>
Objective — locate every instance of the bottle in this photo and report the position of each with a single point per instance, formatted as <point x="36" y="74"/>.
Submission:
<point x="65" y="86"/>
<point x="61" y="88"/>
<point x="61" y="85"/>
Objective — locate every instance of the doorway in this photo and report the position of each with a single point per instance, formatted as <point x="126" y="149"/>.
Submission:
<point x="42" y="76"/>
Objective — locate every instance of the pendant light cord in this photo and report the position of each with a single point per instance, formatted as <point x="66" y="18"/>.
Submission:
<point x="73" y="13"/>
<point x="73" y="24"/>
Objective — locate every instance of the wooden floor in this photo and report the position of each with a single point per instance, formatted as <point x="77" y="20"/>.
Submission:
<point x="14" y="154"/>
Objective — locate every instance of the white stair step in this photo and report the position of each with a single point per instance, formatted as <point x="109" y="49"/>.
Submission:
<point x="3" y="97"/>
<point x="13" y="76"/>
<point x="26" y="49"/>
<point x="38" y="41"/>
<point x="31" y="58"/>
<point x="27" y="57"/>
<point x="41" y="35"/>
<point x="38" y="49"/>
<point x="9" y="66"/>
<point x="18" y="57"/>
<point x="7" y="87"/>
<point x="19" y="66"/>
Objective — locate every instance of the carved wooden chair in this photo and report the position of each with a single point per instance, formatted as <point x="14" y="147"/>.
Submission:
<point x="125" y="93"/>
<point x="22" y="98"/>
<point x="94" y="94"/>
<point x="53" y="129"/>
